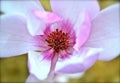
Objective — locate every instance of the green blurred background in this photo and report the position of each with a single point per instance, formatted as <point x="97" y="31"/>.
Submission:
<point x="14" y="69"/>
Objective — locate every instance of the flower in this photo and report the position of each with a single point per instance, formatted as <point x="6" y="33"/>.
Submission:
<point x="71" y="37"/>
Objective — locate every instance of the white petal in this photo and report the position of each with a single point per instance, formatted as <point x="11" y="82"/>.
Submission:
<point x="18" y="6"/>
<point x="61" y="78"/>
<point x="70" y="9"/>
<point x="32" y="79"/>
<point x="65" y="77"/>
<point x="37" y="65"/>
<point x="24" y="8"/>
<point x="79" y="62"/>
<point x="106" y="33"/>
<point x="14" y="37"/>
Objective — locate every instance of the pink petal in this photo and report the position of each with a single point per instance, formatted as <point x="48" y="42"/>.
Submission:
<point x="25" y="9"/>
<point x="48" y="17"/>
<point x="37" y="65"/>
<point x="106" y="33"/>
<point x="52" y="68"/>
<point x="47" y="30"/>
<point x="64" y="55"/>
<point x="48" y="54"/>
<point x="79" y="62"/>
<point x="40" y="42"/>
<point x="70" y="9"/>
<point x="82" y="29"/>
<point x="14" y="37"/>
<point x="64" y="25"/>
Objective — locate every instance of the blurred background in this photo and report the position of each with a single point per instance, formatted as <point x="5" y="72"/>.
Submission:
<point x="14" y="69"/>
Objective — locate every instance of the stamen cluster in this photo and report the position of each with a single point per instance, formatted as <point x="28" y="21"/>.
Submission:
<point x="58" y="40"/>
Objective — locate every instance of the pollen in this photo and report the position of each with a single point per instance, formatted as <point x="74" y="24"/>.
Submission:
<point x="58" y="40"/>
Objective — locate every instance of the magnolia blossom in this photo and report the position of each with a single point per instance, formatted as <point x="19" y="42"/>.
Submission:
<point x="67" y="40"/>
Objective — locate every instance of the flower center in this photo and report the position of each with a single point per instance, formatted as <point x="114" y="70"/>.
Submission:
<point x="58" y="40"/>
